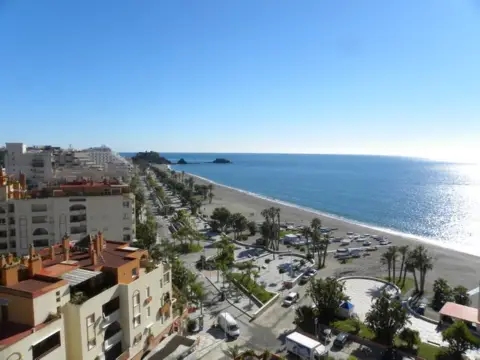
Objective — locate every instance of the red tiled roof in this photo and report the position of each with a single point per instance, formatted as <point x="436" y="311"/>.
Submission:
<point x="461" y="312"/>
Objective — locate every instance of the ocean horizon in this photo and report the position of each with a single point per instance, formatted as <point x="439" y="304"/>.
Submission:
<point x="434" y="201"/>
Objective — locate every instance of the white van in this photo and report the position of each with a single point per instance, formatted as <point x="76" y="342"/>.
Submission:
<point x="228" y="324"/>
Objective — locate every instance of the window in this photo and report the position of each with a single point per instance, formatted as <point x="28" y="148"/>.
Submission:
<point x="46" y="346"/>
<point x="134" y="272"/>
<point x="126" y="204"/>
<point x="42" y="243"/>
<point x="148" y="312"/>
<point x="126" y="238"/>
<point x="3" y="246"/>
<point x="166" y="277"/>
<point x="136" y="308"/>
<point x="91" y="336"/>
<point x="3" y="221"/>
<point x="39" y="207"/>
<point x="12" y="232"/>
<point x="161" y="283"/>
<point x="39" y="219"/>
<point x="126" y="216"/>
<point x="147" y="291"/>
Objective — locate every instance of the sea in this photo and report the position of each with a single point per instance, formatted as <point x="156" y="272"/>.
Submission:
<point x="438" y="202"/>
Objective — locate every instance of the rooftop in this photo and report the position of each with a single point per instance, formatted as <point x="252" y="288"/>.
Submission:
<point x="461" y="312"/>
<point x="35" y="286"/>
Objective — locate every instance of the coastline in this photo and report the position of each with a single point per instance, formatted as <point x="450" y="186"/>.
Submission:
<point x="451" y="264"/>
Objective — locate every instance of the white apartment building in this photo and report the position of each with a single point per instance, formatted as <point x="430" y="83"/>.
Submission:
<point x="97" y="300"/>
<point x="42" y="217"/>
<point x="37" y="163"/>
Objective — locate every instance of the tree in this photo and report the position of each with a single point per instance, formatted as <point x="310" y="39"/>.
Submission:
<point x="190" y="182"/>
<point x="441" y="293"/>
<point x="252" y="227"/>
<point x="222" y="215"/>
<point x="460" y="295"/>
<point x="147" y="233"/>
<point x="423" y="262"/>
<point x="210" y="197"/>
<point x="386" y="318"/>
<point x="325" y="242"/>
<point x="394" y="255"/>
<point x="403" y="251"/>
<point x="327" y="294"/>
<point x="410" y="337"/>
<point x="306" y="234"/>
<point x="233" y="352"/>
<point x="386" y="259"/>
<point x="459" y="339"/>
<point x="239" y="224"/>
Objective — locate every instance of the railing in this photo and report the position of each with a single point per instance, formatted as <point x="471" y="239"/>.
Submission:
<point x="108" y="319"/>
<point x="112" y="340"/>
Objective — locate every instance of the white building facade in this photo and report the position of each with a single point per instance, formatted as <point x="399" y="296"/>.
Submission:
<point x="43" y="221"/>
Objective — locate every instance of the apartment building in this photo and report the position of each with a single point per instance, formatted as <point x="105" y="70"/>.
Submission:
<point x="41" y="217"/>
<point x="98" y="299"/>
<point x="37" y="163"/>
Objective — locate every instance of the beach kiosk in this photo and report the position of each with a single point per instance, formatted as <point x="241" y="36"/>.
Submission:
<point x="452" y="311"/>
<point x="346" y="309"/>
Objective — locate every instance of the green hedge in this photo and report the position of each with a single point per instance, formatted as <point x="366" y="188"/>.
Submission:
<point x="258" y="291"/>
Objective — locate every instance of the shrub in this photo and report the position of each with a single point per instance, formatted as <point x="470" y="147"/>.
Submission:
<point x="282" y="270"/>
<point x="267" y="261"/>
<point x="191" y="325"/>
<point x="302" y="249"/>
<point x="288" y="246"/>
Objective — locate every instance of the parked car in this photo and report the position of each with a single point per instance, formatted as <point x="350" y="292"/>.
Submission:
<point x="355" y="253"/>
<point x="367" y="243"/>
<point x="340" y="340"/>
<point x="291" y="298"/>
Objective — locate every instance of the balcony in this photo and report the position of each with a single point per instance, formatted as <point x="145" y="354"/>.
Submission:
<point x="108" y="319"/>
<point x="112" y="340"/>
<point x="78" y="212"/>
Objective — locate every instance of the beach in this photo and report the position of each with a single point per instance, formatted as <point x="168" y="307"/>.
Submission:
<point x="456" y="267"/>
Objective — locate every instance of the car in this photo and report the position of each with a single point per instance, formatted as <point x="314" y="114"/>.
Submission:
<point x="290" y="299"/>
<point x="304" y="279"/>
<point x="367" y="243"/>
<point x="355" y="253"/>
<point x="311" y="271"/>
<point x="340" y="340"/>
<point x="384" y="242"/>
<point x="342" y="251"/>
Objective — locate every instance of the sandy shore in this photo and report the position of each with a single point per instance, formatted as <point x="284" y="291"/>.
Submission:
<point x="456" y="267"/>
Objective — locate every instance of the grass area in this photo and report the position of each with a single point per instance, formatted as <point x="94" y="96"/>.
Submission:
<point x="409" y="284"/>
<point x="188" y="248"/>
<point x="428" y="351"/>
<point x="287" y="232"/>
<point x="258" y="291"/>
<point x="425" y="350"/>
<point x="349" y="327"/>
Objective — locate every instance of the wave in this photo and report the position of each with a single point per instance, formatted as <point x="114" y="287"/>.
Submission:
<point x="389" y="231"/>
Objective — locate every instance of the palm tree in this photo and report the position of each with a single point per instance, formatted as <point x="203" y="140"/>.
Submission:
<point x="325" y="243"/>
<point x="394" y="253"/>
<point x="423" y="262"/>
<point x="306" y="234"/>
<point x="410" y="267"/>
<point x="316" y="224"/>
<point x="403" y="251"/>
<point x="277" y="213"/>
<point x="210" y="188"/>
<point x="386" y="259"/>
<point x="317" y="242"/>
<point x="233" y="352"/>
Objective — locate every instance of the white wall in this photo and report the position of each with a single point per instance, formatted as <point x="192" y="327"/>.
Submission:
<point x="24" y="346"/>
<point x="104" y="213"/>
<point x="77" y="317"/>
<point x="154" y="321"/>
<point x="47" y="304"/>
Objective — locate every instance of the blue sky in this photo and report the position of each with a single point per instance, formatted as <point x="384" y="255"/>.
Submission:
<point x="373" y="77"/>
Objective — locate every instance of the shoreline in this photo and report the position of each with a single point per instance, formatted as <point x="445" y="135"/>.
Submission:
<point x="457" y="267"/>
<point x="370" y="227"/>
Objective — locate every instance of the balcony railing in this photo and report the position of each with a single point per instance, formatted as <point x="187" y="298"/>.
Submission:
<point x="112" y="340"/>
<point x="108" y="319"/>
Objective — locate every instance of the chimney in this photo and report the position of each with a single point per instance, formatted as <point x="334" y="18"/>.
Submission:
<point x="93" y="257"/>
<point x="102" y="240"/>
<point x="8" y="273"/>
<point x="52" y="252"/>
<point x="34" y="265"/>
<point x="31" y="251"/>
<point x="25" y="261"/>
<point x="9" y="258"/>
<point x="66" y="247"/>
<point x="98" y="244"/>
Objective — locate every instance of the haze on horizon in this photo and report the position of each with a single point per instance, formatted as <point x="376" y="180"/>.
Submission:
<point x="244" y="76"/>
